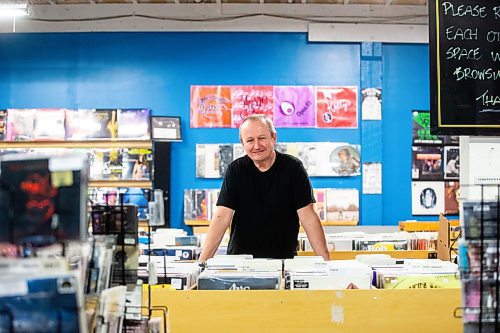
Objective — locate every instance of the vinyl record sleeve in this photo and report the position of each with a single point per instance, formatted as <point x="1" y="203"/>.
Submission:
<point x="427" y="198"/>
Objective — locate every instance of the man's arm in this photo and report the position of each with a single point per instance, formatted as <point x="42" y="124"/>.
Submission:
<point x="312" y="225"/>
<point x="218" y="226"/>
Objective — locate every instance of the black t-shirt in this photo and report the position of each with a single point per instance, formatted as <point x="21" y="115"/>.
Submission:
<point x="265" y="222"/>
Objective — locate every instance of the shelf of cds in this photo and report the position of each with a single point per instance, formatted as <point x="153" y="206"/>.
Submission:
<point x="142" y="144"/>
<point x="121" y="183"/>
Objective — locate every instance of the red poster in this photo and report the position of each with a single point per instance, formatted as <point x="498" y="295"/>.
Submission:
<point x="247" y="100"/>
<point x="210" y="106"/>
<point x="337" y="107"/>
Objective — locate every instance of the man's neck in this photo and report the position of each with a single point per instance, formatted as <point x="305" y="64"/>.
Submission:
<point x="267" y="164"/>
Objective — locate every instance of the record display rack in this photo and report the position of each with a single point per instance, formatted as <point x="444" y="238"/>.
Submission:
<point x="318" y="311"/>
<point x="414" y="226"/>
<point x="399" y="254"/>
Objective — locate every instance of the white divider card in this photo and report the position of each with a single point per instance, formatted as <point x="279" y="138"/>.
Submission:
<point x="372" y="178"/>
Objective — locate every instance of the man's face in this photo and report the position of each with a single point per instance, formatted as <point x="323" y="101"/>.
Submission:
<point x="342" y="156"/>
<point x="257" y="140"/>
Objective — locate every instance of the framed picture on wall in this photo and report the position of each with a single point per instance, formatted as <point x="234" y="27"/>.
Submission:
<point x="165" y="128"/>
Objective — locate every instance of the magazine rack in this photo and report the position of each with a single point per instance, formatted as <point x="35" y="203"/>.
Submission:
<point x="479" y="261"/>
<point x="125" y="274"/>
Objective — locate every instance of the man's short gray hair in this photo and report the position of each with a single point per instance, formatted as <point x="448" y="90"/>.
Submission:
<point x="262" y="118"/>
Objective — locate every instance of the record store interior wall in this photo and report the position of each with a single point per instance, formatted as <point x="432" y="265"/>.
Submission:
<point x="156" y="70"/>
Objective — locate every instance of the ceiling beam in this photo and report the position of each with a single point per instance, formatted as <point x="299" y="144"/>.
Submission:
<point x="209" y="17"/>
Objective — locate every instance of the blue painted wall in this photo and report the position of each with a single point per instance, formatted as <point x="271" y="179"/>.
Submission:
<point x="155" y="70"/>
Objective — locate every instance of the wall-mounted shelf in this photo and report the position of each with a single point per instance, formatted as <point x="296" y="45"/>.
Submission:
<point x="77" y="144"/>
<point x="121" y="183"/>
<point x="403" y="254"/>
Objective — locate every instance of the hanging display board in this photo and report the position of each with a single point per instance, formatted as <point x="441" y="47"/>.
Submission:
<point x="465" y="67"/>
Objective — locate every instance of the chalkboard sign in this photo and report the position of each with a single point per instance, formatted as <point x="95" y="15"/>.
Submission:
<point x="465" y="67"/>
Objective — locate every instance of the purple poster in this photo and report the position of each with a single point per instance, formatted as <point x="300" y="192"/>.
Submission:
<point x="294" y="106"/>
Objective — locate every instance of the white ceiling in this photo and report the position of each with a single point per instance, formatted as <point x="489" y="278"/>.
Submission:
<point x="392" y="17"/>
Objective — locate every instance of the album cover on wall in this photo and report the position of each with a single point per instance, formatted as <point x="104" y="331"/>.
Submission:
<point x="134" y="124"/>
<point x="342" y="205"/>
<point x="294" y="106"/>
<point x="136" y="163"/>
<point x="292" y="148"/>
<point x="345" y="160"/>
<point x="337" y="107"/>
<point x="225" y="157"/>
<point x="281" y="147"/>
<point x="323" y="153"/>
<point x="201" y="204"/>
<point x="208" y="160"/>
<point x="238" y="151"/>
<point x="210" y="106"/>
<point x="337" y="159"/>
<point x="96" y="164"/>
<point x="104" y="195"/>
<point x="77" y="124"/>
<point x="49" y="124"/>
<point x="320" y="204"/>
<point x="213" y="196"/>
<point x="421" y="129"/>
<point x="3" y="124"/>
<point x="189" y="205"/>
<point x="165" y="128"/>
<point x="427" y="198"/>
<point x="427" y="163"/>
<point x="106" y="164"/>
<point x="306" y="152"/>
<point x="91" y="124"/>
<point x="248" y="100"/>
<point x="451" y="162"/>
<point x="103" y="124"/>
<point x="196" y="204"/>
<point x="20" y="124"/>
<point x="450" y="197"/>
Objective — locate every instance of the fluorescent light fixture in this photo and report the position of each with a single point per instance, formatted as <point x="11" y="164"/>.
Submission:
<point x="13" y="8"/>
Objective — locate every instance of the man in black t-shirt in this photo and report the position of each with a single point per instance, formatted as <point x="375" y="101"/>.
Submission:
<point x="263" y="197"/>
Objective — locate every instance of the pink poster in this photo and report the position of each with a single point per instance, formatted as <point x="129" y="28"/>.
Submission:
<point x="337" y="107"/>
<point x="247" y="100"/>
<point x="294" y="106"/>
<point x="210" y="106"/>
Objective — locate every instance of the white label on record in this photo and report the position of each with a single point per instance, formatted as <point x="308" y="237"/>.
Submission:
<point x="164" y="133"/>
<point x="66" y="163"/>
<point x="176" y="283"/>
